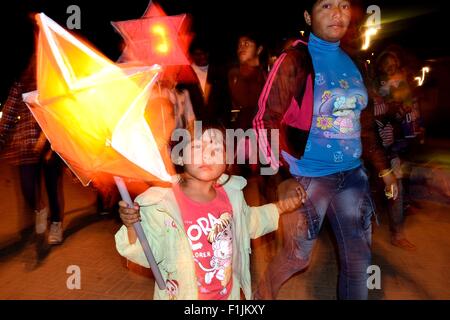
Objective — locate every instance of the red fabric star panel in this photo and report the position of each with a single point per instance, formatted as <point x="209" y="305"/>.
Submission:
<point x="156" y="40"/>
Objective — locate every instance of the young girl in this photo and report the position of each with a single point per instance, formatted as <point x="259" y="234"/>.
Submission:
<point x="200" y="228"/>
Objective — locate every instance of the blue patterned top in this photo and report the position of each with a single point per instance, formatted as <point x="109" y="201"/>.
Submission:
<point x="334" y="142"/>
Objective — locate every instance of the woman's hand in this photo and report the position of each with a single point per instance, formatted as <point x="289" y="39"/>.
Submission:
<point x="291" y="196"/>
<point x="129" y="216"/>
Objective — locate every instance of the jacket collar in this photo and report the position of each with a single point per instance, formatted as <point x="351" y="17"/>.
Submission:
<point x="155" y="195"/>
<point x="165" y="201"/>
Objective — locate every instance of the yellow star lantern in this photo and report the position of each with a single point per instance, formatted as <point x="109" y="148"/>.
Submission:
<point x="92" y="112"/>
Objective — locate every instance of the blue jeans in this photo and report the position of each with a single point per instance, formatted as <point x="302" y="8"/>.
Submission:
<point x="345" y="199"/>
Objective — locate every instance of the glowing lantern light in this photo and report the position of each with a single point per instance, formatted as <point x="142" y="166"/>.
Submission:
<point x="367" y="38"/>
<point x="373" y="24"/>
<point x="162" y="46"/>
<point x="92" y="112"/>
<point x="420" y="80"/>
<point x="159" y="40"/>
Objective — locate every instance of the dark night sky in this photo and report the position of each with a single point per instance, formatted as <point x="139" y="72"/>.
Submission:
<point x="217" y="21"/>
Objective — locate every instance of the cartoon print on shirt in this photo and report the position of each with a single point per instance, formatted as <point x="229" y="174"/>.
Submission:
<point x="343" y="110"/>
<point x="308" y="146"/>
<point x="320" y="80"/>
<point x="338" y="156"/>
<point x="220" y="237"/>
<point x="326" y="96"/>
<point x="324" y="123"/>
<point x="344" y="84"/>
<point x="345" y="123"/>
<point x="335" y="129"/>
<point x="172" y="289"/>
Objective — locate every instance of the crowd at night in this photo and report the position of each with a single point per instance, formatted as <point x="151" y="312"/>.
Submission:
<point x="257" y="150"/>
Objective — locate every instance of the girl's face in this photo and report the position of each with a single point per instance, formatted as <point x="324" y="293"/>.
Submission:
<point x="248" y="51"/>
<point x="329" y="19"/>
<point x="204" y="158"/>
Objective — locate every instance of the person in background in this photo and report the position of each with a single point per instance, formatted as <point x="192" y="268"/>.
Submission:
<point x="397" y="117"/>
<point x="206" y="84"/>
<point x="245" y="83"/>
<point x="22" y="143"/>
<point x="246" y="80"/>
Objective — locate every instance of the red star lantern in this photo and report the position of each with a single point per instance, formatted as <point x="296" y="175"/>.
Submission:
<point x="155" y="38"/>
<point x="153" y="10"/>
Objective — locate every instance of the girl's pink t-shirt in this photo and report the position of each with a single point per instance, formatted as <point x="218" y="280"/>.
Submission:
<point x="208" y="227"/>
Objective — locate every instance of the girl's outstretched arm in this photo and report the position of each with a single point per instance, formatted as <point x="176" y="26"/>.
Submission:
<point x="264" y="219"/>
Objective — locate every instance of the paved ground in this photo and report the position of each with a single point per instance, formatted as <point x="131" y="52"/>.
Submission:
<point x="30" y="269"/>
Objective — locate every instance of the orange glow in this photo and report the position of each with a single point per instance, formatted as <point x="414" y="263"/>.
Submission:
<point x="162" y="45"/>
<point x="92" y="110"/>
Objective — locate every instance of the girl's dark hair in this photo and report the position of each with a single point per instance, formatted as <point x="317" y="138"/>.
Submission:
<point x="206" y="125"/>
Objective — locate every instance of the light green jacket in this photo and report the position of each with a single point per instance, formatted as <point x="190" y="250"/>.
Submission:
<point x="163" y="225"/>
